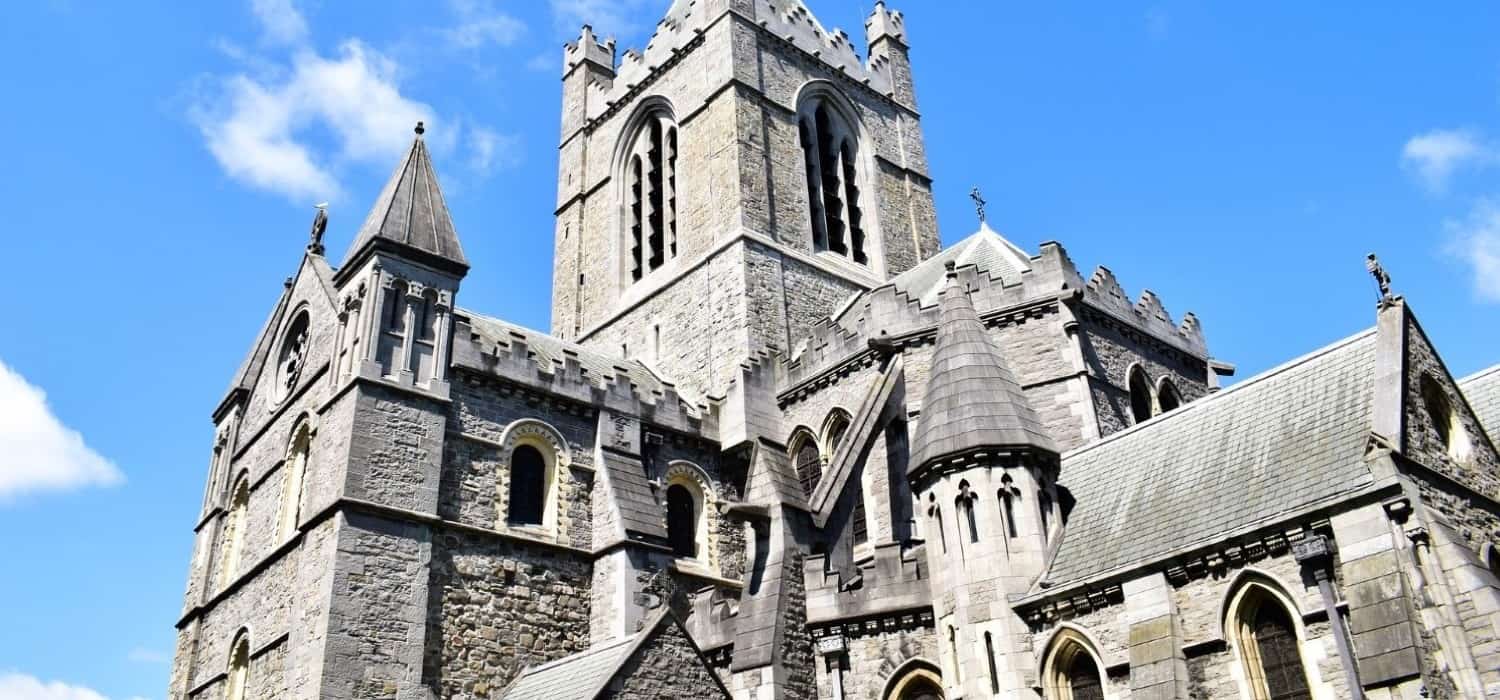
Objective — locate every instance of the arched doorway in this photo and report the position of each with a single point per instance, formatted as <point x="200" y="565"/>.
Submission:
<point x="917" y="680"/>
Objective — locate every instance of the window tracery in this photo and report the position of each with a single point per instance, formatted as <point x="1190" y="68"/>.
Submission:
<point x="830" y="153"/>
<point x="650" y="192"/>
<point x="293" y="354"/>
<point x="1268" y="644"/>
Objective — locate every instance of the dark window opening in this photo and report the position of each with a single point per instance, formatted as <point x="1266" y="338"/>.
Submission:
<point x="809" y="466"/>
<point x="989" y="651"/>
<point x="1083" y="678"/>
<point x="1168" y="397"/>
<point x="682" y="522"/>
<point x="1280" y="659"/>
<point x="1140" y="396"/>
<point x="528" y="479"/>
<point x="830" y="155"/>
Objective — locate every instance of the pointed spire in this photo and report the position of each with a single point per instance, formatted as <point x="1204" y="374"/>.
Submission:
<point x="410" y="217"/>
<point x="973" y="401"/>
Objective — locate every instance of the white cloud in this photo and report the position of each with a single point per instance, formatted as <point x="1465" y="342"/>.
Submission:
<point x="279" y="20"/>
<point x="258" y="128"/>
<point x="19" y="686"/>
<point x="480" y="23"/>
<point x="1437" y="154"/>
<point x="607" y="17"/>
<point x="38" y="452"/>
<point x="489" y="150"/>
<point x="1476" y="241"/>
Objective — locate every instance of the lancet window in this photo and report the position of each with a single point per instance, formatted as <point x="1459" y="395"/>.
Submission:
<point x="650" y="193"/>
<point x="830" y="155"/>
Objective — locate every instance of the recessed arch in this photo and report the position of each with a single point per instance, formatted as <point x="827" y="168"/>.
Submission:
<point x="1168" y="398"/>
<point x="1072" y="667"/>
<point x="294" y="476"/>
<point x="840" y="174"/>
<point x="291" y="353"/>
<point x="835" y="428"/>
<point x="916" y="678"/>
<point x="696" y="528"/>
<point x="1490" y="555"/>
<point x="233" y="534"/>
<point x="807" y="459"/>
<point x="237" y="666"/>
<point x="535" y="454"/>
<point x="1142" y="403"/>
<point x="1445" y="420"/>
<point x="644" y="170"/>
<point x="1263" y="626"/>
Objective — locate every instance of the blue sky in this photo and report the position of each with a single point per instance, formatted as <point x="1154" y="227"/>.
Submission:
<point x="1239" y="160"/>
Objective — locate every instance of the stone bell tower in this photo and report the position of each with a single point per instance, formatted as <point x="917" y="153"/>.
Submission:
<point x="733" y="182"/>
<point x="983" y="468"/>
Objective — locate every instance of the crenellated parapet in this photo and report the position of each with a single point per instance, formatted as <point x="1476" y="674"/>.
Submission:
<point x="1147" y="313"/>
<point x="896" y="579"/>
<point x="546" y="365"/>
<point x="589" y="49"/>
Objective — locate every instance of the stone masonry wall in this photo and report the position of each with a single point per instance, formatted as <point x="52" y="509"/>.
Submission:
<point x="376" y="619"/>
<point x="872" y="659"/>
<point x="1481" y="470"/>
<point x="666" y="667"/>
<point x="1109" y="353"/>
<point x="497" y="606"/>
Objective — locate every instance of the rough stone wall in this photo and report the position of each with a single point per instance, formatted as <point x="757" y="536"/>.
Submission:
<point x="475" y="474"/>
<point x="1481" y="471"/>
<point x="497" y="606"/>
<point x="872" y="659"/>
<point x="396" y="456"/>
<point x="267" y="673"/>
<point x="1109" y="354"/>
<point x="666" y="667"/>
<point x="376" y="618"/>
<point x="796" y="651"/>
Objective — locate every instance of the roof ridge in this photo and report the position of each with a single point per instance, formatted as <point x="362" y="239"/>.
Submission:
<point x="1191" y="406"/>
<point x="1481" y="374"/>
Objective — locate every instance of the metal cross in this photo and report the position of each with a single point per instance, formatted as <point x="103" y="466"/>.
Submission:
<point x="978" y="203"/>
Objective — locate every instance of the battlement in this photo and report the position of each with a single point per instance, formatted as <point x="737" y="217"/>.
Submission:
<point x="896" y="578"/>
<point x="788" y="20"/>
<point x="548" y="365"/>
<point x="1147" y="313"/>
<point x="885" y="24"/>
<point x="589" y="50"/>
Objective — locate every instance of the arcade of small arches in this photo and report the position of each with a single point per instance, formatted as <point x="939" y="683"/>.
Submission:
<point x="1148" y="399"/>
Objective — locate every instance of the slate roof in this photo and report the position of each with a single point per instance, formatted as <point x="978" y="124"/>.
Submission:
<point x="548" y="351"/>
<point x="410" y="213"/>
<point x="1482" y="389"/>
<point x="984" y="249"/>
<point x="577" y="677"/>
<point x="1287" y="439"/>
<point x="631" y="492"/>
<point x="972" y="399"/>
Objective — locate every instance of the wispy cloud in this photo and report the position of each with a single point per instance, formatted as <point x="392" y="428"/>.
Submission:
<point x="291" y="124"/>
<point x="280" y="21"/>
<point x="608" y="17"/>
<point x="1434" y="156"/>
<point x="1475" y="240"/>
<point x="39" y="453"/>
<point x="480" y="23"/>
<point x="19" y="686"/>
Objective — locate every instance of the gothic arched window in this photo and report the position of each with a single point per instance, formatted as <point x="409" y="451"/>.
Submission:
<point x="295" y="469"/>
<point x="424" y="336"/>
<point x="1141" y="403"/>
<point x="808" y="461"/>
<point x="234" y="531"/>
<point x="392" y="328"/>
<point x="238" y="675"/>
<point x="1268" y="645"/>
<point x="1071" y="671"/>
<point x="830" y="154"/>
<point x="1009" y="496"/>
<point x="528" y="486"/>
<point x="650" y="192"/>
<point x="1168" y="396"/>
<point x="682" y="520"/>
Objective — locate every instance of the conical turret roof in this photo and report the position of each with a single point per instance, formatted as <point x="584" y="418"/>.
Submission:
<point x="973" y="400"/>
<point x="410" y="216"/>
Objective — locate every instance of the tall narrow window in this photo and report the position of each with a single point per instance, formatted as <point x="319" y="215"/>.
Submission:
<point x="682" y="521"/>
<point x="809" y="463"/>
<point x="1044" y="507"/>
<point x="989" y="654"/>
<point x="234" y="531"/>
<point x="650" y="208"/>
<point x="392" y="328"/>
<point x="528" y="485"/>
<point x="1083" y="678"/>
<point x="295" y="469"/>
<point x="239" y="668"/>
<point x="966" y="506"/>
<point x="1009" y="496"/>
<point x="1070" y="671"/>
<point x="1268" y="644"/>
<point x="937" y="516"/>
<point x="958" y="666"/>
<point x="424" y="342"/>
<point x="830" y="154"/>
<point x="1445" y="421"/>
<point x="1140" y="396"/>
<point x="860" y="526"/>
<point x="291" y="358"/>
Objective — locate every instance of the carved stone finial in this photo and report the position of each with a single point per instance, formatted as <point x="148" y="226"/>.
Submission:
<point x="1382" y="278"/>
<point x="420" y="129"/>
<point x="319" y="225"/>
<point x="978" y="203"/>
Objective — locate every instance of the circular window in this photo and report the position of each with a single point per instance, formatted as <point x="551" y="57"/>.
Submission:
<point x="293" y="355"/>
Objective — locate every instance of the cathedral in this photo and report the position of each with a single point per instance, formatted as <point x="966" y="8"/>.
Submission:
<point x="780" y="443"/>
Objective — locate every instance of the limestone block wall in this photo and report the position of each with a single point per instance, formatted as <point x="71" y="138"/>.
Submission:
<point x="376" y="620"/>
<point x="872" y="659"/>
<point x="496" y="606"/>
<point x="666" y="666"/>
<point x="396" y="454"/>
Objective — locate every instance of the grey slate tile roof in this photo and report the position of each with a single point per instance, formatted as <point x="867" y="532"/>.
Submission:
<point x="577" y="677"/>
<point x="549" y="352"/>
<point x="410" y="212"/>
<point x="972" y="398"/>
<point x="1482" y="389"/>
<point x="985" y="249"/>
<point x="631" y="492"/>
<point x="1286" y="439"/>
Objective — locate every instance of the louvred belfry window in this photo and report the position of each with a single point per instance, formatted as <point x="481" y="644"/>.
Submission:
<point x="830" y="153"/>
<point x="651" y="194"/>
